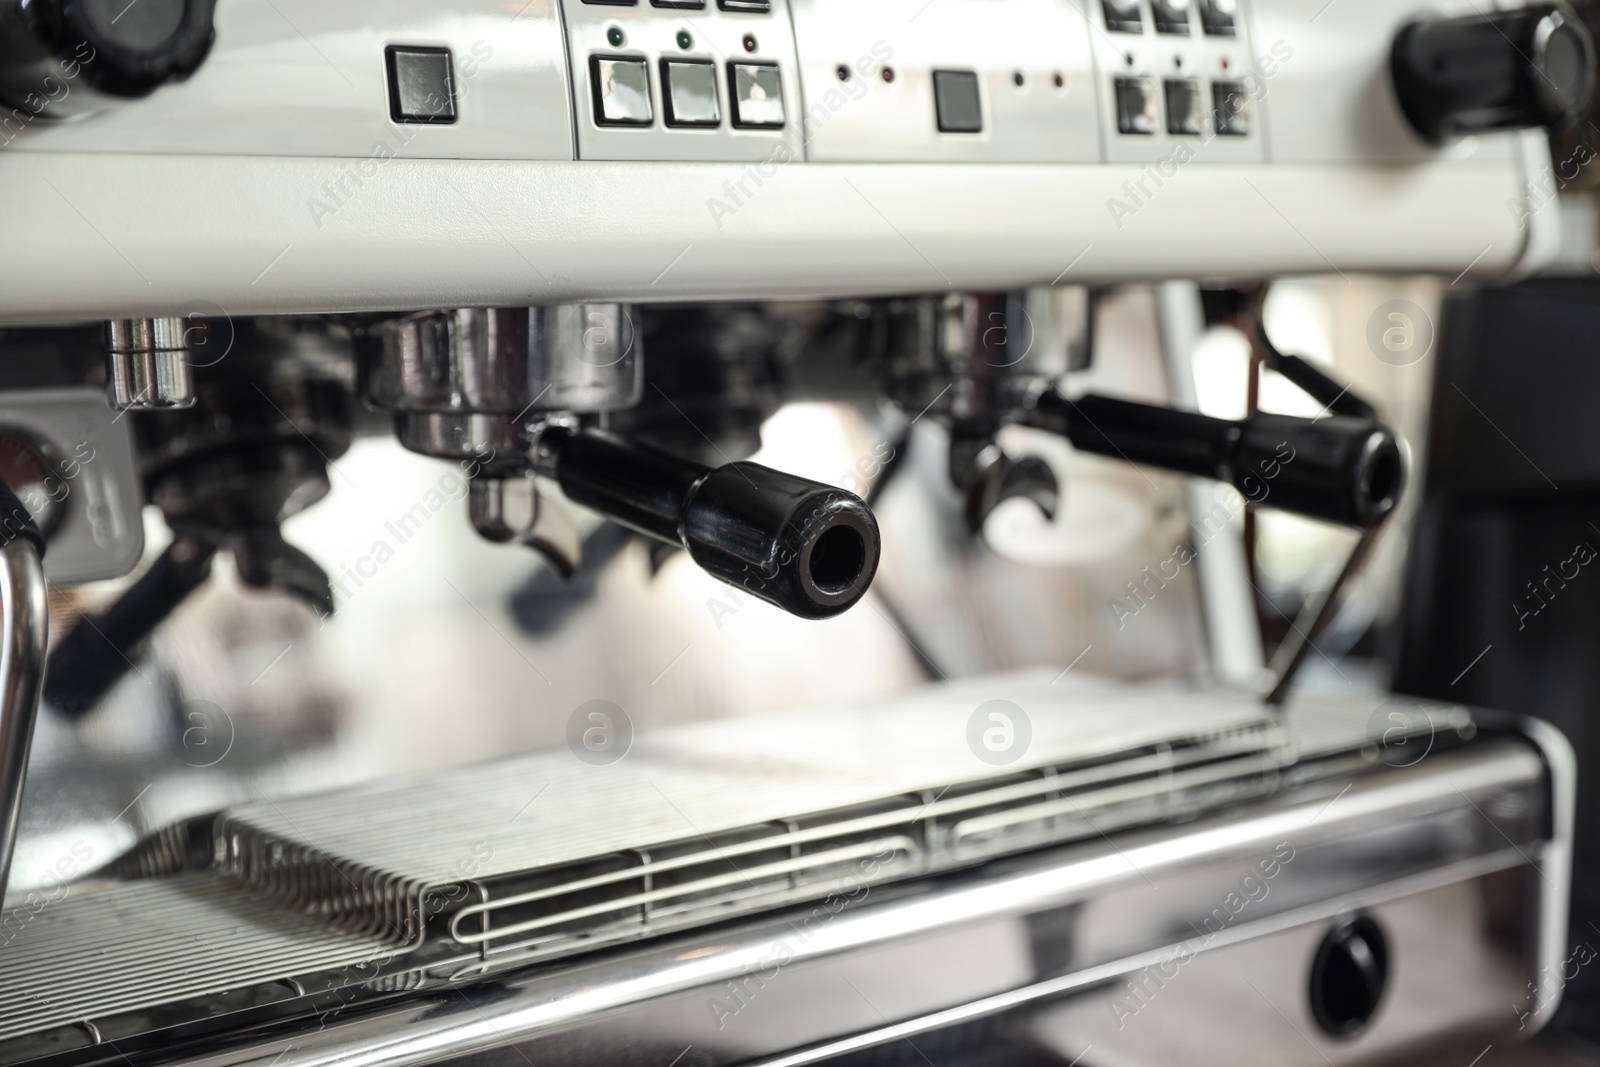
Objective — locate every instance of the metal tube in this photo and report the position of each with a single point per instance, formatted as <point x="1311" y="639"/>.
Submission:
<point x="24" y="640"/>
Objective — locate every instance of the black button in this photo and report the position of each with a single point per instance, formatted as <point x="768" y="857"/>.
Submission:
<point x="1184" y="109"/>
<point x="1232" y="108"/>
<point x="1136" y="106"/>
<point x="1122" y="16"/>
<point x="613" y="3"/>
<point x="955" y="97"/>
<point x="1217" y="17"/>
<point x="1172" y="16"/>
<point x="754" y="7"/>
<point x="421" y="84"/>
<point x="691" y="4"/>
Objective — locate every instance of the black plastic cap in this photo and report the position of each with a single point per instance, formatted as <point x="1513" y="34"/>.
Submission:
<point x="1520" y="69"/>
<point x="126" y="49"/>
<point x="1341" y="470"/>
<point x="805" y="547"/>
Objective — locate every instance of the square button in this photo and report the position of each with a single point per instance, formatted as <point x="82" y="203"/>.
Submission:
<point x="756" y="7"/>
<point x="621" y="91"/>
<point x="689" y="93"/>
<point x="1172" y="16"/>
<point x="1232" y="108"/>
<point x="421" y="84"/>
<point x="695" y="5"/>
<point x="1136" y="106"/>
<point x="757" y="95"/>
<point x="1217" y="17"/>
<point x="1184" y="109"/>
<point x="955" y="98"/>
<point x="1122" y="16"/>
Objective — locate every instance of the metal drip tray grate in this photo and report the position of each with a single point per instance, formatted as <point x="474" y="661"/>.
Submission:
<point x="544" y="855"/>
<point x="105" y="949"/>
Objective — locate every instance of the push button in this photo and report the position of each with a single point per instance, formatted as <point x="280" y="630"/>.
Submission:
<point x="755" y="7"/>
<point x="1172" y="16"/>
<point x="621" y="91"/>
<point x="1122" y="16"/>
<point x="1136" y="106"/>
<point x="693" y="5"/>
<point x="1232" y="108"/>
<point x="689" y="93"/>
<point x="955" y="98"/>
<point x="1184" y="109"/>
<point x="421" y="84"/>
<point x="1217" y="17"/>
<point x="757" y="95"/>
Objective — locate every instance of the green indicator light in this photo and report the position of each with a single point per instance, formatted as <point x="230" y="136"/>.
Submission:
<point x="685" y="42"/>
<point x="616" y="37"/>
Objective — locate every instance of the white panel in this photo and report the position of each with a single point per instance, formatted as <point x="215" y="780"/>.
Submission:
<point x="1332" y="99"/>
<point x="869" y="119"/>
<point x="158" y="232"/>
<point x="307" y="78"/>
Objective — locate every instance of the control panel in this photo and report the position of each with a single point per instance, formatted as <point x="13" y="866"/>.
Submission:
<point x="689" y="80"/>
<point x="1031" y="81"/>
<point x="313" y="156"/>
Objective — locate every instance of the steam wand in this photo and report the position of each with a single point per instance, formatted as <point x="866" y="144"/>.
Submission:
<point x="24" y="640"/>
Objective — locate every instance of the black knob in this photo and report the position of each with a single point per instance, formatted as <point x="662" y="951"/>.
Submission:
<point x="1349" y="976"/>
<point x="1501" y="71"/>
<point x="803" y="546"/>
<point x="60" y="58"/>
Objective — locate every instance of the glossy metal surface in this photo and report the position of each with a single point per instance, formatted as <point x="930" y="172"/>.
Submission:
<point x="149" y="364"/>
<point x="24" y="637"/>
<point x="1459" y="830"/>
<point x="975" y="355"/>
<point x="505" y="361"/>
<point x="510" y="509"/>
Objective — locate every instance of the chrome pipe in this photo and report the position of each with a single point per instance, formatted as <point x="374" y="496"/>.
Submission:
<point x="24" y="641"/>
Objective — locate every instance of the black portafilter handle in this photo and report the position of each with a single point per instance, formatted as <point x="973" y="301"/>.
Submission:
<point x="97" y="652"/>
<point x="1336" y="468"/>
<point x="806" y="547"/>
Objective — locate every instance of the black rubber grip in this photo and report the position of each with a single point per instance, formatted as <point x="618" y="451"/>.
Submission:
<point x="16" y="521"/>
<point x="97" y="652"/>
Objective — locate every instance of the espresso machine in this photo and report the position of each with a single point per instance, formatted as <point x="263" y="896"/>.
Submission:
<point x="716" y="532"/>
